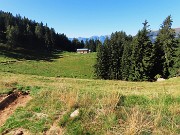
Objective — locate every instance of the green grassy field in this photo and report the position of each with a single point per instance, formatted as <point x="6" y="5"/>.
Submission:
<point x="70" y="65"/>
<point x="106" y="107"/>
<point x="64" y="84"/>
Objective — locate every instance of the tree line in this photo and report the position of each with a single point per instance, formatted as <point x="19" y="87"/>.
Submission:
<point x="123" y="57"/>
<point x="17" y="31"/>
<point x="120" y="57"/>
<point x="91" y="44"/>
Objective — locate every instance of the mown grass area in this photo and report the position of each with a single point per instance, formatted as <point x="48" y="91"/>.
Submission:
<point x="106" y="107"/>
<point x="59" y="64"/>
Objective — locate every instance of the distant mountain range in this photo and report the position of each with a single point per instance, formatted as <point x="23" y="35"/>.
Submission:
<point x="100" y="38"/>
<point x="153" y="36"/>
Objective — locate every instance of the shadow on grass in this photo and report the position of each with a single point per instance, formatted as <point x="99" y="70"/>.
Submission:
<point x="25" y="54"/>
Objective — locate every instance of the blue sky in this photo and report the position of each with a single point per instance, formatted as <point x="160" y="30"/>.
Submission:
<point x="85" y="18"/>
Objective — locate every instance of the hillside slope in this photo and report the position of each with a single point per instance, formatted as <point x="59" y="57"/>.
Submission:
<point x="105" y="107"/>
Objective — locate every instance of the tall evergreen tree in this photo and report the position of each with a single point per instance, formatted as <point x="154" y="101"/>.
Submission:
<point x="2" y="29"/>
<point x="165" y="48"/>
<point x="101" y="66"/>
<point x="87" y="44"/>
<point x="97" y="42"/>
<point x="175" y="71"/>
<point x="142" y="55"/>
<point x="52" y="37"/>
<point x="116" y="50"/>
<point x="39" y="32"/>
<point x="47" y="38"/>
<point x="126" y="59"/>
<point x="82" y="44"/>
<point x="77" y="44"/>
<point x="92" y="45"/>
<point x="12" y="34"/>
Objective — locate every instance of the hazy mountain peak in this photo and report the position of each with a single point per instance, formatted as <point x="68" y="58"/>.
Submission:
<point x="152" y="35"/>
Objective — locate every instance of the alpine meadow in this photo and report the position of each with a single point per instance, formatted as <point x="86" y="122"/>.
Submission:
<point x="116" y="84"/>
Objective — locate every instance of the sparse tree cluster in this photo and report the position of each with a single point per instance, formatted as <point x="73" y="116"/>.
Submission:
<point x="137" y="58"/>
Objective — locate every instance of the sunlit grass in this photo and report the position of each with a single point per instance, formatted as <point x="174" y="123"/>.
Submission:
<point x="70" y="65"/>
<point x="60" y="86"/>
<point x="106" y="107"/>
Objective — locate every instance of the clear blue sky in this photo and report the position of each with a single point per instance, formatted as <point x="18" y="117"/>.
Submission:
<point x="85" y="18"/>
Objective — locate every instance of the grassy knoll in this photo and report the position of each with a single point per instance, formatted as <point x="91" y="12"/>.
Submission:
<point x="106" y="107"/>
<point x="70" y="65"/>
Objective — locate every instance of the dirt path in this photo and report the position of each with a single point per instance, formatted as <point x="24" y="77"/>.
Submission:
<point x="9" y="104"/>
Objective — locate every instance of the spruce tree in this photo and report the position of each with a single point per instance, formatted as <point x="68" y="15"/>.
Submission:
<point x="92" y="45"/>
<point x="116" y="50"/>
<point x="12" y="34"/>
<point x="175" y="71"/>
<point x="142" y="55"/>
<point x="126" y="61"/>
<point x="2" y="29"/>
<point x="77" y="44"/>
<point x="101" y="66"/>
<point x="165" y="48"/>
<point x="52" y="37"/>
<point x="87" y="44"/>
<point x="47" y="38"/>
<point x="107" y="48"/>
<point x="82" y="44"/>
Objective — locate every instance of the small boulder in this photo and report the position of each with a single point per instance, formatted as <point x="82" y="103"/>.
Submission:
<point x="75" y="113"/>
<point x="18" y="132"/>
<point x="160" y="79"/>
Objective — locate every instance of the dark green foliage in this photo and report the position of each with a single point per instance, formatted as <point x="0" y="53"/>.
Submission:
<point x="126" y="59"/>
<point x="16" y="31"/>
<point x="92" y="44"/>
<point x="63" y="43"/>
<point x="76" y="44"/>
<point x="165" y="48"/>
<point x="101" y="67"/>
<point x="142" y="56"/>
<point x="116" y="51"/>
<point x="175" y="71"/>
<point x="12" y="34"/>
<point x="137" y="58"/>
<point x="109" y="57"/>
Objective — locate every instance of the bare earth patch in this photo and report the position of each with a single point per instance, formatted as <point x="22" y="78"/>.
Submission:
<point x="9" y="103"/>
<point x="54" y="130"/>
<point x="18" y="131"/>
